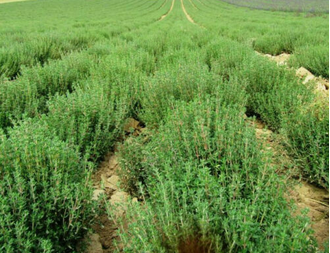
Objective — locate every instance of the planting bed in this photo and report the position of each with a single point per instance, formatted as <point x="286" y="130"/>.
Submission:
<point x="163" y="126"/>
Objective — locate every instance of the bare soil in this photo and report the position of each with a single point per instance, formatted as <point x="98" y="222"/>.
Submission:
<point x="281" y="59"/>
<point x="195" y="245"/>
<point x="186" y="13"/>
<point x="106" y="183"/>
<point x="316" y="200"/>
<point x="165" y="15"/>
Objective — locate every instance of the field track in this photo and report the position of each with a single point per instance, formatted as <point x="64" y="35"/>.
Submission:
<point x="171" y="8"/>
<point x="11" y="1"/>
<point x="186" y="13"/>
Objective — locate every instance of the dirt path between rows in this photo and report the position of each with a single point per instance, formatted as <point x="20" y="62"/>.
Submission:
<point x="193" y="4"/>
<point x="11" y="1"/>
<point x="165" y="15"/>
<point x="186" y="13"/>
<point x="304" y="194"/>
<point x="201" y="2"/>
<point x="189" y="17"/>
<point x="163" y="4"/>
<point x="106" y="186"/>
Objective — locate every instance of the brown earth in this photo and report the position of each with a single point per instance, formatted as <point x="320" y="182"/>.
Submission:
<point x="186" y="13"/>
<point x="106" y="184"/>
<point x="195" y="245"/>
<point x="316" y="200"/>
<point x="281" y="59"/>
<point x="165" y="15"/>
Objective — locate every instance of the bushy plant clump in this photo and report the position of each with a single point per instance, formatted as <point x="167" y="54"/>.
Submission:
<point x="29" y="93"/>
<point x="308" y="142"/>
<point x="314" y="58"/>
<point x="91" y="118"/>
<point x="288" y="106"/>
<point x="274" y="92"/>
<point x="38" y="51"/>
<point x="205" y="183"/>
<point x="45" y="202"/>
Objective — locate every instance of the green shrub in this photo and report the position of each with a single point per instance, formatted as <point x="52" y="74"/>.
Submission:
<point x="39" y="50"/>
<point x="206" y="184"/>
<point x="167" y="86"/>
<point x="29" y="93"/>
<point x="315" y="58"/>
<point x="307" y="131"/>
<point x="184" y="82"/>
<point x="45" y="192"/>
<point x="274" y="93"/>
<point x="92" y="117"/>
<point x="274" y="44"/>
<point x="224" y="57"/>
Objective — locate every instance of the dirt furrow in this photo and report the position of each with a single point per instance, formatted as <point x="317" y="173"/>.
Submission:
<point x="163" y="4"/>
<point x="165" y="15"/>
<point x="186" y="13"/>
<point x="193" y="4"/>
<point x="106" y="186"/>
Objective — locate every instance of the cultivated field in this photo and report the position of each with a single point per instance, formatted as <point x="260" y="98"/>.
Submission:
<point x="315" y="6"/>
<point x="163" y="126"/>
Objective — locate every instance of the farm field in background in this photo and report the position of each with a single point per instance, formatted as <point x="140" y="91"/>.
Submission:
<point x="315" y="6"/>
<point x="164" y="126"/>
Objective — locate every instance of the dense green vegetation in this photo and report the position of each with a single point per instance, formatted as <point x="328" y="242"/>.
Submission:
<point x="69" y="79"/>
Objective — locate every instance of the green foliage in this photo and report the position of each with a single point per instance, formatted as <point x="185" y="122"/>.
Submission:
<point x="45" y="202"/>
<point x="314" y="58"/>
<point x="28" y="93"/>
<point x="277" y="42"/>
<point x="70" y="79"/>
<point x="205" y="183"/>
<point x="308" y="141"/>
<point x="225" y="57"/>
<point x="274" y="93"/>
<point x="277" y="98"/>
<point x="167" y="86"/>
<point x="267" y="31"/>
<point x="91" y="118"/>
<point x="37" y="51"/>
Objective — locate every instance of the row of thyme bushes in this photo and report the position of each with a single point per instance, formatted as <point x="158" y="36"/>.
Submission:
<point x="291" y="108"/>
<point x="73" y="115"/>
<point x="113" y="60"/>
<point x="205" y="183"/>
<point x="39" y="50"/>
<point x="29" y="93"/>
<point x="58" y="117"/>
<point x="279" y="99"/>
<point x="45" y="202"/>
<point x="45" y="166"/>
<point x="308" y="40"/>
